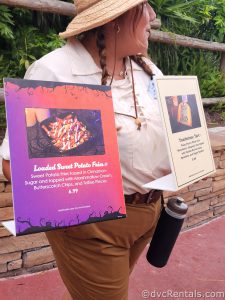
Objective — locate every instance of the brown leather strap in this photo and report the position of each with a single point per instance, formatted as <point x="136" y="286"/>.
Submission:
<point x="148" y="198"/>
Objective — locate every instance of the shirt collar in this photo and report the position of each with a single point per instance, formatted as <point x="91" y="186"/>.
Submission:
<point x="83" y="63"/>
<point x="135" y="66"/>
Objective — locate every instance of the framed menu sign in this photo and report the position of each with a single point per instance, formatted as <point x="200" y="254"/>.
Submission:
<point x="186" y="132"/>
<point x="64" y="155"/>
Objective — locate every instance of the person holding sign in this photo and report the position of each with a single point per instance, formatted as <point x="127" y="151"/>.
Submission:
<point x="107" y="43"/>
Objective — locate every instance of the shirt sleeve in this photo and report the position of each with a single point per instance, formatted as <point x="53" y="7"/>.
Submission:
<point x="40" y="71"/>
<point x="37" y="71"/>
<point x="4" y="148"/>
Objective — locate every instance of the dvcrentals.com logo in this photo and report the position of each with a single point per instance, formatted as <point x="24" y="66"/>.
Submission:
<point x="146" y="294"/>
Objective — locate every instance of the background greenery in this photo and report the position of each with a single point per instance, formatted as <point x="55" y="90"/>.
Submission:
<point x="26" y="36"/>
<point x="203" y="19"/>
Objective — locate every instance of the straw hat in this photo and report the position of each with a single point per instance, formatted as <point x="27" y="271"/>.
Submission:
<point x="94" y="13"/>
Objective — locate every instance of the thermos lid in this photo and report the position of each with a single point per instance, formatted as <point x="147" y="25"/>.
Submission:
<point x="177" y="205"/>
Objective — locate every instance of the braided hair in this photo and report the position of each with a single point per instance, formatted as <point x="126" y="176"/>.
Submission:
<point x="101" y="45"/>
<point x="102" y="54"/>
<point x="140" y="61"/>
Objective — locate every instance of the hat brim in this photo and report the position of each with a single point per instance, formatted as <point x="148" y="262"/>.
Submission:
<point x="98" y="15"/>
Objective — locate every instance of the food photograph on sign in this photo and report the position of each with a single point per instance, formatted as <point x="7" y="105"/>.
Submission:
<point x="183" y="112"/>
<point x="63" y="132"/>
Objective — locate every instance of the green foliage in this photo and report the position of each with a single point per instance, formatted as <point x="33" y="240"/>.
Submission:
<point x="25" y="37"/>
<point x="6" y="23"/>
<point x="219" y="107"/>
<point x="2" y="116"/>
<point x="177" y="60"/>
<point x="197" y="18"/>
<point x="207" y="22"/>
<point x="212" y="15"/>
<point x="174" y="9"/>
<point x="28" y="45"/>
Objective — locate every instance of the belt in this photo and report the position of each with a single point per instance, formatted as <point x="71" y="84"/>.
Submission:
<point x="148" y="198"/>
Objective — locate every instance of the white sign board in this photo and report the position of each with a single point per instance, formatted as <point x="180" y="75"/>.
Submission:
<point x="188" y="143"/>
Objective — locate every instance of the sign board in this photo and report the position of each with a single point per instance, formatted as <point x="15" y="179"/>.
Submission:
<point x="186" y="132"/>
<point x="64" y="155"/>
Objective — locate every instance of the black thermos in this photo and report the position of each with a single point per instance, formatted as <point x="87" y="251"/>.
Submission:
<point x="166" y="232"/>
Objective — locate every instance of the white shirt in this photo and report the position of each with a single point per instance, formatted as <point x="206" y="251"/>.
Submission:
<point x="143" y="153"/>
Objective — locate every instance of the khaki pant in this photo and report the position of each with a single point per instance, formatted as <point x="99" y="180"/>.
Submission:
<point x="95" y="260"/>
